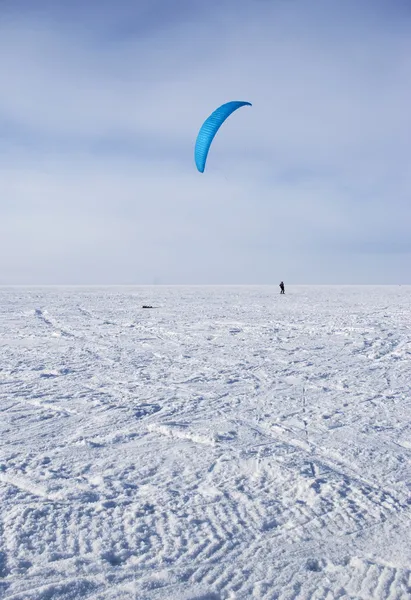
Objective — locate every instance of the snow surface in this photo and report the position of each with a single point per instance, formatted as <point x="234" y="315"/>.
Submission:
<point x="228" y="443"/>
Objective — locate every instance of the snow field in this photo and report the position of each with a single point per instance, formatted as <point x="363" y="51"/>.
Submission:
<point x="228" y="443"/>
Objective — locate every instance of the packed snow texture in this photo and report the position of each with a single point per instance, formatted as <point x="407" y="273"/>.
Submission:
<point x="230" y="442"/>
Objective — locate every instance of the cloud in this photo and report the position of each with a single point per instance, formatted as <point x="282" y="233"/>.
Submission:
<point x="98" y="117"/>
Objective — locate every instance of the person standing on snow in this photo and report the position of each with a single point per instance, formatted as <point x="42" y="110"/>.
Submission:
<point x="282" y="288"/>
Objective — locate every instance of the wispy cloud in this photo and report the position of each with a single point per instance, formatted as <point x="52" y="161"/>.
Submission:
<point x="99" y="108"/>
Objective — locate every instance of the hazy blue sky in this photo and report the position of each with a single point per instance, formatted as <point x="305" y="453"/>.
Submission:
<point x="100" y="105"/>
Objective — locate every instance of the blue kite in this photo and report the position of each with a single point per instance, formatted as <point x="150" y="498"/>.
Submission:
<point x="209" y="129"/>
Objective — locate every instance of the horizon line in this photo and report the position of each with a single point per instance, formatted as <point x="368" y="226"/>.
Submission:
<point x="122" y="285"/>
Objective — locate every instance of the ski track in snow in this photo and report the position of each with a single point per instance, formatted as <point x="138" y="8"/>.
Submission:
<point x="229" y="443"/>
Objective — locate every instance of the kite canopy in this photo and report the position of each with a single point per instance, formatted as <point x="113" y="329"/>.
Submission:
<point x="209" y="129"/>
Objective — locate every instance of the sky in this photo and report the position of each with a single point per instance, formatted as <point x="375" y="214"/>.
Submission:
<point x="100" y="106"/>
